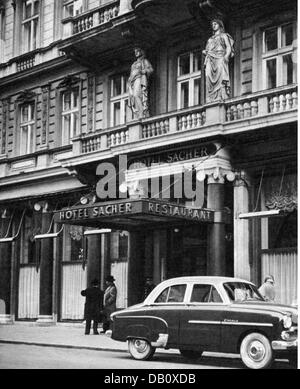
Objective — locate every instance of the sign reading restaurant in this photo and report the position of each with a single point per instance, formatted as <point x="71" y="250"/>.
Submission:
<point x="133" y="208"/>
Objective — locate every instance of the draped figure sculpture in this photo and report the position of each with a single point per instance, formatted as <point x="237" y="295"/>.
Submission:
<point x="219" y="50"/>
<point x="138" y="85"/>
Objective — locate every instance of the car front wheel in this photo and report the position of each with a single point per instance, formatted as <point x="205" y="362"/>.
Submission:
<point x="256" y="351"/>
<point x="140" y="349"/>
<point x="191" y="354"/>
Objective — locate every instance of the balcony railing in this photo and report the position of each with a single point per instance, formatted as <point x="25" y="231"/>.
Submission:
<point x="90" y="19"/>
<point x="200" y="120"/>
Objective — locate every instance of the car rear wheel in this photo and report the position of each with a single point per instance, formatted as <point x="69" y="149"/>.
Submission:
<point x="140" y="349"/>
<point x="191" y="354"/>
<point x="256" y="351"/>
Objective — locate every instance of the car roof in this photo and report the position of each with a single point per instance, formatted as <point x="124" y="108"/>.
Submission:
<point x="205" y="279"/>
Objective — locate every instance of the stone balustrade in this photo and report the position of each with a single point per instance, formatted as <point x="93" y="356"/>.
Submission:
<point x="94" y="17"/>
<point x="117" y="138"/>
<point x="241" y="110"/>
<point x="155" y="128"/>
<point x="284" y="101"/>
<point x="25" y="62"/>
<point x="191" y="120"/>
<point x="91" y="143"/>
<point x="205" y="118"/>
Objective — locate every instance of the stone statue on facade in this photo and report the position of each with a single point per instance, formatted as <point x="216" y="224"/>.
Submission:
<point x="219" y="50"/>
<point x="138" y="85"/>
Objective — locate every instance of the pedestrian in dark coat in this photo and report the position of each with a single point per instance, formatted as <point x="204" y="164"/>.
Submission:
<point x="110" y="298"/>
<point x="93" y="307"/>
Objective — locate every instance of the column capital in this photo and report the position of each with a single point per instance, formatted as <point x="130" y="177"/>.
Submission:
<point x="217" y="175"/>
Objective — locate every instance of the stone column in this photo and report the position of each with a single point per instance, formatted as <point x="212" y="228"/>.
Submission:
<point x="241" y="229"/>
<point x="136" y="267"/>
<point x="159" y="256"/>
<point x="46" y="275"/>
<point x="216" y="235"/>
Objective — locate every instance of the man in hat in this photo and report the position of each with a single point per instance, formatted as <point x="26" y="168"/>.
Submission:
<point x="93" y="306"/>
<point x="110" y="298"/>
<point x="267" y="290"/>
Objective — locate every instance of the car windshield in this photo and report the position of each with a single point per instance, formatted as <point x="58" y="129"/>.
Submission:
<point x="240" y="291"/>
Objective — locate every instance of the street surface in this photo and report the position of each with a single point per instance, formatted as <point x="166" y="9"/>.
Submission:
<point x="14" y="356"/>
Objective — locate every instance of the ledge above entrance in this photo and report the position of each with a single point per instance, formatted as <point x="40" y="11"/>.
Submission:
<point x="134" y="214"/>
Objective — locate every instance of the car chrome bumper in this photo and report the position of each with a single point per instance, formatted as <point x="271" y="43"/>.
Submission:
<point x="161" y="341"/>
<point x="284" y="344"/>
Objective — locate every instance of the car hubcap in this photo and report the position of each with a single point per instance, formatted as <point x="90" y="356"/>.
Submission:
<point x="256" y="351"/>
<point x="141" y="346"/>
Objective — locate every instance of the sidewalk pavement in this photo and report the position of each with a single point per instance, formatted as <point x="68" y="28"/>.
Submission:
<point x="68" y="335"/>
<point x="63" y="335"/>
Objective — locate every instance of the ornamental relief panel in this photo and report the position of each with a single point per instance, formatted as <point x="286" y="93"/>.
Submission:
<point x="281" y="193"/>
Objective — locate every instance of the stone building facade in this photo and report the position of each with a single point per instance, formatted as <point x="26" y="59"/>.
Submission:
<point x="65" y="115"/>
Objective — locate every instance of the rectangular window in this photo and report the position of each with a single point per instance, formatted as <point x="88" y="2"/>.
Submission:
<point x="30" y="24"/>
<point x="73" y="248"/>
<point x="27" y="122"/>
<point x="119" y="101"/>
<point x="189" y="79"/>
<point x="70" y="115"/>
<point x="280" y="56"/>
<point x="72" y="8"/>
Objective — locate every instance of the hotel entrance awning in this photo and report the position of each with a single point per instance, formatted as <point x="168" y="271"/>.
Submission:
<point x="134" y="214"/>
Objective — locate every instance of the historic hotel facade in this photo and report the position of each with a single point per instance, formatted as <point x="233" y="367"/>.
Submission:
<point x="189" y="185"/>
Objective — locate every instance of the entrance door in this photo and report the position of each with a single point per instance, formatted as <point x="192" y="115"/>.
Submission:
<point x="29" y="292"/>
<point x="73" y="274"/>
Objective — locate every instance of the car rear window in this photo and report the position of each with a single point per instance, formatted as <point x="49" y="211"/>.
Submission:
<point x="203" y="293"/>
<point x="172" y="294"/>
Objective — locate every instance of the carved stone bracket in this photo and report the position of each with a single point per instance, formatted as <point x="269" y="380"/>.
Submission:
<point x="69" y="82"/>
<point x="25" y="96"/>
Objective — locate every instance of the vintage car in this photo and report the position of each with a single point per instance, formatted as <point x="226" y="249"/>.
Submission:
<point x="197" y="314"/>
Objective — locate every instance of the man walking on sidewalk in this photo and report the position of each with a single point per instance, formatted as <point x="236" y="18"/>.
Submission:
<point x="93" y="307"/>
<point x="110" y="298"/>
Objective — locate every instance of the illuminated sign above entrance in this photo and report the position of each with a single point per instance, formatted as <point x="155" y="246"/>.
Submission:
<point x="173" y="156"/>
<point x="138" y="211"/>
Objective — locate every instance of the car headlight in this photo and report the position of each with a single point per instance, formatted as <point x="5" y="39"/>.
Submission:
<point x="287" y="322"/>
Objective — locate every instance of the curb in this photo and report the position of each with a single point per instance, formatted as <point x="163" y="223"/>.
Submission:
<point x="60" y="346"/>
<point x="65" y="346"/>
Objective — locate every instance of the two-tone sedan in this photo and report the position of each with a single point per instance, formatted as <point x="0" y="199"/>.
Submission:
<point x="197" y="314"/>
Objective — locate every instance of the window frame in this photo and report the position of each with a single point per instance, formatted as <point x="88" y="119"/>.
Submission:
<point x="168" y="288"/>
<point x="72" y="112"/>
<point x="189" y="78"/>
<point x="30" y="21"/>
<point x="122" y="98"/>
<point x="67" y="3"/>
<point x="278" y="54"/>
<point x="31" y="146"/>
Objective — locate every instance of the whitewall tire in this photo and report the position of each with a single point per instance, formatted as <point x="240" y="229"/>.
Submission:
<point x="140" y="349"/>
<point x="256" y="351"/>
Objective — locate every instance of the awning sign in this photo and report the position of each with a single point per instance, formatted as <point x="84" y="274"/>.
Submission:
<point x="134" y="208"/>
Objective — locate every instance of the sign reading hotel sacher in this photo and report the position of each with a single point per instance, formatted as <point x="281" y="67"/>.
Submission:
<point x="132" y="208"/>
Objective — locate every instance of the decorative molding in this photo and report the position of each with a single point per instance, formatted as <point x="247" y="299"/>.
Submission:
<point x="69" y="82"/>
<point x="90" y="102"/>
<point x="218" y="175"/>
<point x="45" y="114"/>
<point x="5" y="119"/>
<point x="25" y="96"/>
